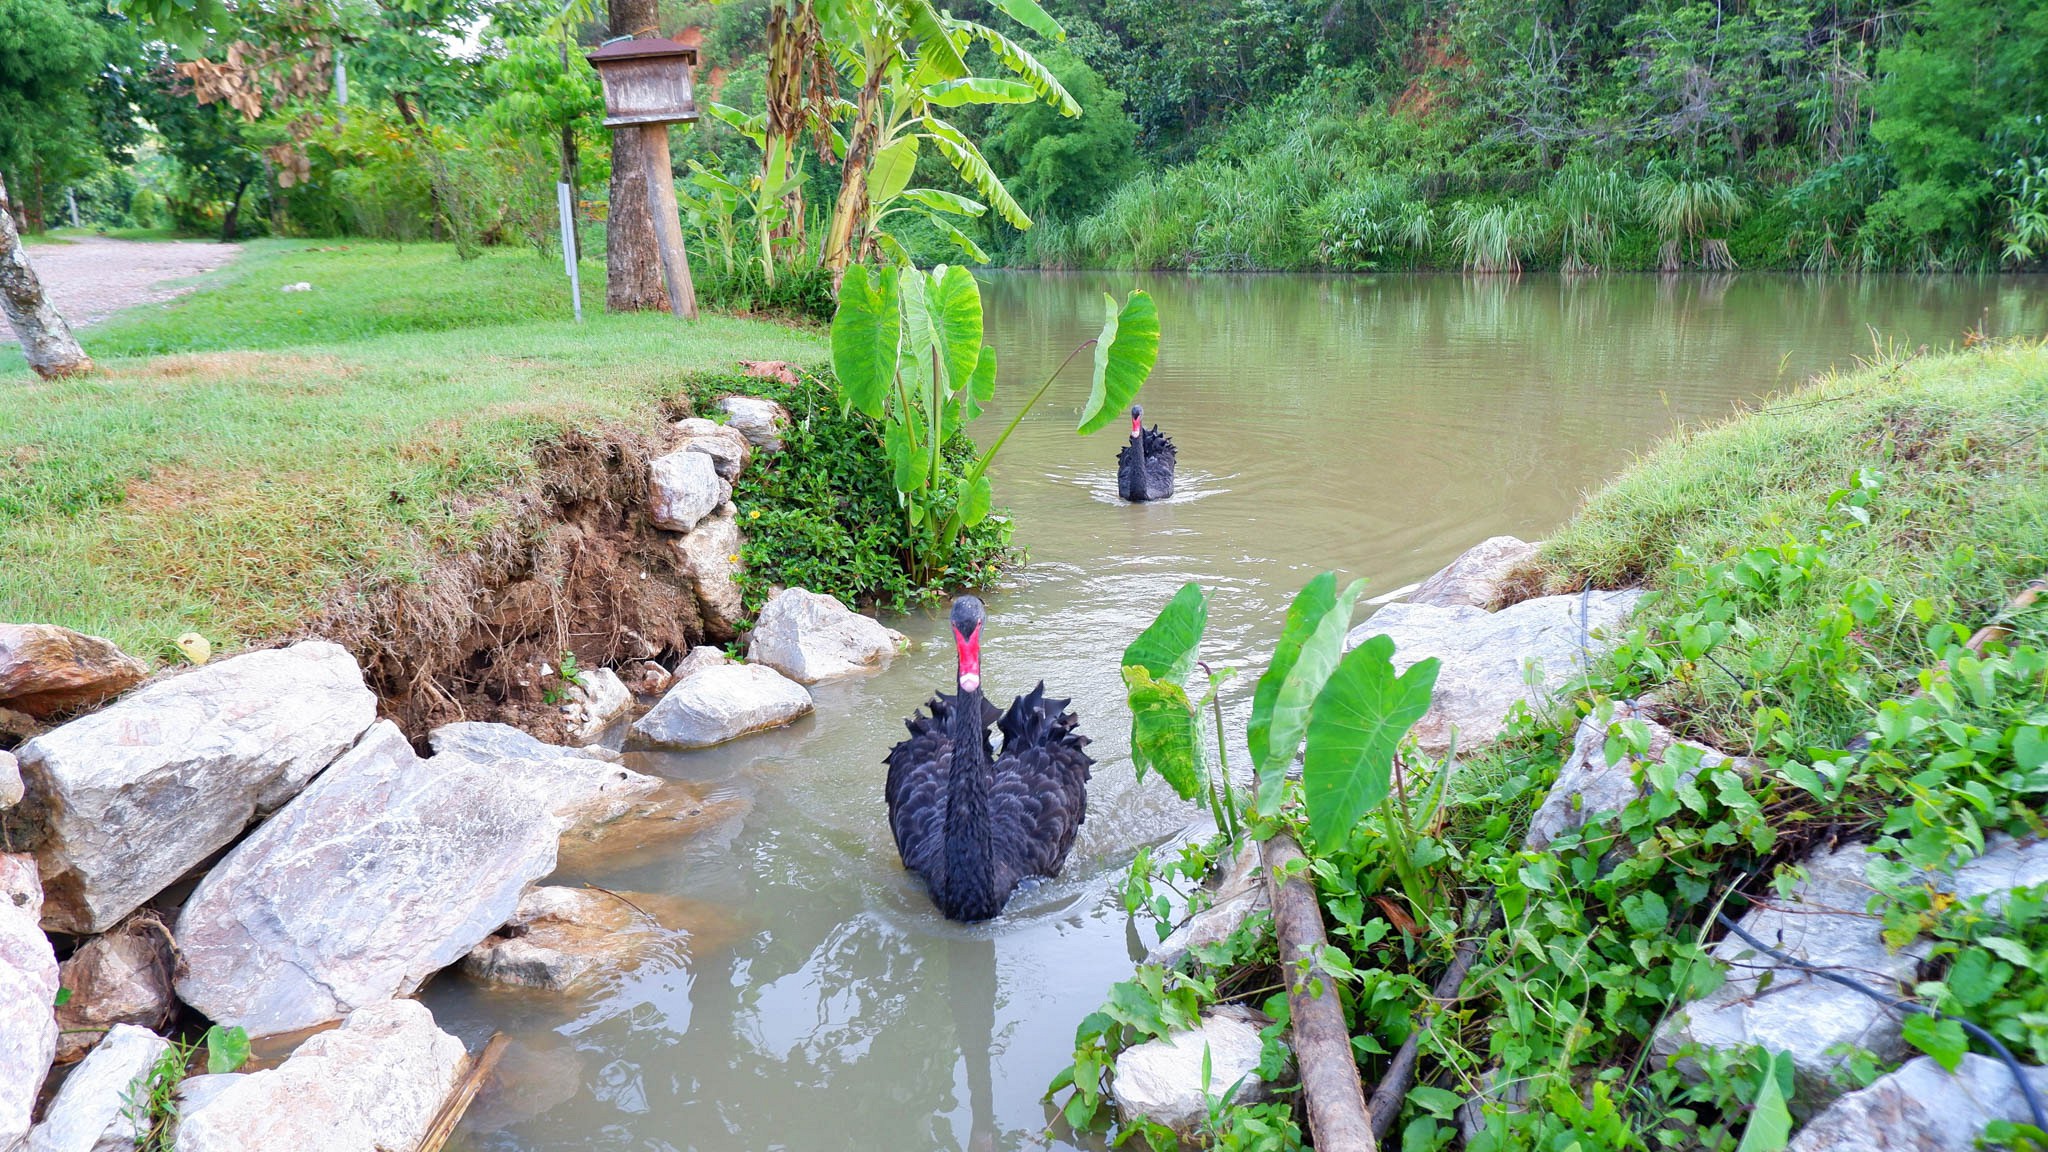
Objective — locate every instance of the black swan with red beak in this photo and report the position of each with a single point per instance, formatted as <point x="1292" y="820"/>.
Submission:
<point x="974" y="823"/>
<point x="1144" y="468"/>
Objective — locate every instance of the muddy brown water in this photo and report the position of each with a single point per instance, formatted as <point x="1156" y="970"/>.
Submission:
<point x="1374" y="426"/>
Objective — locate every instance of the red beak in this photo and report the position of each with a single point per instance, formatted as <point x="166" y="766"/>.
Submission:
<point x="1135" y="429"/>
<point x="969" y="648"/>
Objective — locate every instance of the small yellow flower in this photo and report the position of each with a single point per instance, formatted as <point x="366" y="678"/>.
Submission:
<point x="732" y="559"/>
<point x="754" y="515"/>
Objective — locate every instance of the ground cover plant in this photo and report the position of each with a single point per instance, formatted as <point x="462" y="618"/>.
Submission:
<point x="1817" y="569"/>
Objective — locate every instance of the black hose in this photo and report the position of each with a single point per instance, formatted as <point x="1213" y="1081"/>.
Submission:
<point x="2012" y="1063"/>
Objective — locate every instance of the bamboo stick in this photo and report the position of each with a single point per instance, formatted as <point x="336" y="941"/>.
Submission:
<point x="1338" y="1119"/>
<point x="465" y="1091"/>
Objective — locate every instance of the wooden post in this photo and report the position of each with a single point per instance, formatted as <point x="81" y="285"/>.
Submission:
<point x="668" y="224"/>
<point x="1337" y="1117"/>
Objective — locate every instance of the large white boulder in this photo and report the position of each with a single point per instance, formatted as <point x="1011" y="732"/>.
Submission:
<point x="683" y="488"/>
<point x="1588" y="785"/>
<point x="104" y="1103"/>
<point x="597" y="698"/>
<point x="809" y="637"/>
<point x="1477" y="577"/>
<point x="1922" y="1108"/>
<point x="371" y="1085"/>
<point x="760" y="421"/>
<point x="710" y="557"/>
<point x="121" y="977"/>
<point x="1823" y="923"/>
<point x="28" y="996"/>
<point x="130" y="798"/>
<point x="1162" y="1079"/>
<point x="487" y="743"/>
<point x="46" y="669"/>
<point x="722" y="702"/>
<point x="1493" y="660"/>
<point x="385" y="871"/>
<point x="727" y="446"/>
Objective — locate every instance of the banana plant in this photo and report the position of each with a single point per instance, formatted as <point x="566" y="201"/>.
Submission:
<point x="907" y="351"/>
<point x="710" y="203"/>
<point x="908" y="62"/>
<point x="765" y="194"/>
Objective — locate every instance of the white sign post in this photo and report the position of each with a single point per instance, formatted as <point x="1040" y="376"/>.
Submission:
<point x="569" y="253"/>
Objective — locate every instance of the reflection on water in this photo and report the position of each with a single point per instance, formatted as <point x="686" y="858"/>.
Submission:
<point x="1372" y="425"/>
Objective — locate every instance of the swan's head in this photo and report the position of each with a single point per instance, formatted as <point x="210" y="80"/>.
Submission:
<point x="1137" y="415"/>
<point x="967" y="617"/>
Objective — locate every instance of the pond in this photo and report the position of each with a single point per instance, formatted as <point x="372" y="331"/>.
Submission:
<point x="1377" y="426"/>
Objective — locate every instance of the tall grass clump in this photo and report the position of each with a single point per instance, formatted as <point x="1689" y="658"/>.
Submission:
<point x="1379" y="222"/>
<point x="1493" y="239"/>
<point x="1683" y="210"/>
<point x="1589" y="206"/>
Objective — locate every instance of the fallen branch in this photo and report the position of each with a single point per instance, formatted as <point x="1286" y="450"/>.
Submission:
<point x="1337" y="1117"/>
<point x="465" y="1091"/>
<point x="1386" y="1099"/>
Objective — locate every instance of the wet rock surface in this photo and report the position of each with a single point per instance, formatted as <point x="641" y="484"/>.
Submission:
<point x="28" y="993"/>
<point x="810" y="637"/>
<point x="722" y="702"/>
<point x="122" y="977"/>
<point x="46" y="669"/>
<point x="1489" y="658"/>
<point x="1921" y="1108"/>
<point x="102" y="1106"/>
<point x="388" y="869"/>
<point x="485" y="742"/>
<point x="563" y="938"/>
<point x="1162" y="1079"/>
<point x="1476" y="578"/>
<point x="1823" y="923"/>
<point x="371" y="1085"/>
<point x="126" y="800"/>
<point x="684" y="488"/>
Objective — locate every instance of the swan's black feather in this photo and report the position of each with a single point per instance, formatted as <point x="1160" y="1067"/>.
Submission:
<point x="1155" y="480"/>
<point x="1040" y="792"/>
<point x="916" y="786"/>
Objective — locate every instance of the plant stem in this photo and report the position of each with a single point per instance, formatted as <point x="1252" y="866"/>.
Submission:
<point x="953" y="521"/>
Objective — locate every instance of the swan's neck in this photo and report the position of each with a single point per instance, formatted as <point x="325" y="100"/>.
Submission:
<point x="969" y="855"/>
<point x="1138" y="446"/>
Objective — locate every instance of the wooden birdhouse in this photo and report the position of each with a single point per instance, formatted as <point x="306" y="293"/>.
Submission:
<point x="646" y="82"/>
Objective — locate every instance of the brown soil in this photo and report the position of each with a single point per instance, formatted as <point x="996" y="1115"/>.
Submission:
<point x="575" y="567"/>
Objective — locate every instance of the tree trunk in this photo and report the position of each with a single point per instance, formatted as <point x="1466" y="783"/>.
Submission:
<point x="845" y="237"/>
<point x="797" y="85"/>
<point x="439" y="182"/>
<point x="1338" y="1120"/>
<point x="632" y="260"/>
<point x="232" y="218"/>
<point x="45" y="339"/>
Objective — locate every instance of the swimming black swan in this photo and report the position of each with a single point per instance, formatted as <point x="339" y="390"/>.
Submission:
<point x="1144" y="469"/>
<point x="974" y="823"/>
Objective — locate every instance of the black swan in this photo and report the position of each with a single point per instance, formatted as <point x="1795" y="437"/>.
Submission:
<point x="973" y="823"/>
<point x="1144" y="468"/>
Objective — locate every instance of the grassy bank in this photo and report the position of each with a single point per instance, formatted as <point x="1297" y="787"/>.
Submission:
<point x="1816" y="568"/>
<point x="244" y="454"/>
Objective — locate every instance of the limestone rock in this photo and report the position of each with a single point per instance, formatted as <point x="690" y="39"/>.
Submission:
<point x="722" y="703"/>
<point x="128" y="799"/>
<point x="599" y="698"/>
<point x="45" y="669"/>
<point x="760" y="421"/>
<point x="2006" y="864"/>
<point x="1824" y="924"/>
<point x="699" y="658"/>
<point x="10" y="781"/>
<point x="1236" y="895"/>
<point x="486" y="743"/>
<point x="123" y="977"/>
<point x="371" y="1085"/>
<point x="647" y="678"/>
<point x="1474" y="579"/>
<point x="1485" y="655"/>
<point x="1921" y="1108"/>
<point x="711" y="559"/>
<point x="196" y="1092"/>
<point x="684" y="488"/>
<point x="1588" y="784"/>
<point x="809" y="637"/>
<point x="579" y="791"/>
<point x="562" y="937"/>
<point x="1162" y="1079"/>
<point x="102" y="1105"/>
<point x="727" y="446"/>
<point x="28" y="993"/>
<point x="388" y="869"/>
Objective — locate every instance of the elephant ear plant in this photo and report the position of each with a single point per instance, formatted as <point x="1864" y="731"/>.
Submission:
<point x="1350" y="709"/>
<point x="906" y="347"/>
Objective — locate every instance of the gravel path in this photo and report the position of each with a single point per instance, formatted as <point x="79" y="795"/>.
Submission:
<point x="92" y="278"/>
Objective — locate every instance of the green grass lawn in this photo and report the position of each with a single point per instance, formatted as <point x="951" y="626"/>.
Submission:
<point x="245" y="453"/>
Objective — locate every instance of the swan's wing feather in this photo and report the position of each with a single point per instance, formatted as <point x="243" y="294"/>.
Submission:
<point x="1160" y="454"/>
<point x="1039" y="794"/>
<point x="916" y="790"/>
